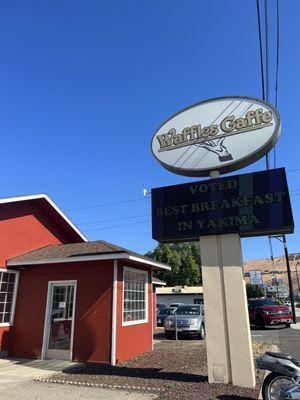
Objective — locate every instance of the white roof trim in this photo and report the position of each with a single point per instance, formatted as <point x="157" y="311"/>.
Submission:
<point x="51" y="202"/>
<point x="116" y="256"/>
<point x="158" y="283"/>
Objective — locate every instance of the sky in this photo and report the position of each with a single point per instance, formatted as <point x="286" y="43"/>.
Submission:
<point x="85" y="84"/>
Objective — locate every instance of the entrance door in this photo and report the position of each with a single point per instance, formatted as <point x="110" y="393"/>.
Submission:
<point x="58" y="336"/>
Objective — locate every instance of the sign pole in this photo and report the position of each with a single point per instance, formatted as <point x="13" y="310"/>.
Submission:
<point x="228" y="337"/>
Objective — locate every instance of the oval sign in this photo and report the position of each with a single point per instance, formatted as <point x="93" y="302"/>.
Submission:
<point x="222" y="134"/>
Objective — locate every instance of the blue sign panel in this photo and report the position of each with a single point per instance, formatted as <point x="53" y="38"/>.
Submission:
<point x="250" y="204"/>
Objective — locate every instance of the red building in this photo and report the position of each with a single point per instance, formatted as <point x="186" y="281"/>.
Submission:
<point x="63" y="297"/>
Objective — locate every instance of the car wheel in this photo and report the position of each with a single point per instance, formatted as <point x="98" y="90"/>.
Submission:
<point x="201" y="335"/>
<point x="260" y="322"/>
<point x="169" y="335"/>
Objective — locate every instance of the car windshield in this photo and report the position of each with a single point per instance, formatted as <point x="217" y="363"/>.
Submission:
<point x="265" y="302"/>
<point x="188" y="310"/>
<point x="167" y="311"/>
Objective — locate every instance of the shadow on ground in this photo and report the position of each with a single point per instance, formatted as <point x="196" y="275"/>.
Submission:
<point x="233" y="397"/>
<point x="145" y="373"/>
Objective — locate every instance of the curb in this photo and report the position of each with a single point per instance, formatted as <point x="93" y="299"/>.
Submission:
<point x="99" y="385"/>
<point x="296" y="326"/>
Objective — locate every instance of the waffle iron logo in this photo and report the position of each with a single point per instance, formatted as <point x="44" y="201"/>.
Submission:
<point x="222" y="134"/>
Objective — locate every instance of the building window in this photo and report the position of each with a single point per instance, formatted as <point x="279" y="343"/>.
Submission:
<point x="135" y="299"/>
<point x="8" y="287"/>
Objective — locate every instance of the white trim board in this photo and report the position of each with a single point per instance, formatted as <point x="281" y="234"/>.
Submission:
<point x="114" y="314"/>
<point x="116" y="256"/>
<point x="51" y="202"/>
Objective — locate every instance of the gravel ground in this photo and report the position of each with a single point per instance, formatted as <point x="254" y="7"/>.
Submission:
<point x="177" y="367"/>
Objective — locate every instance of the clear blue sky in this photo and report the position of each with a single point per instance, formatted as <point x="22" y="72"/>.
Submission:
<point x="84" y="85"/>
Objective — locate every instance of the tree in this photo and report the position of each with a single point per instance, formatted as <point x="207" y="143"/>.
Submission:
<point x="184" y="260"/>
<point x="254" y="291"/>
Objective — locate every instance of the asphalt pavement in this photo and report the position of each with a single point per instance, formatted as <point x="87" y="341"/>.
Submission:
<point x="287" y="339"/>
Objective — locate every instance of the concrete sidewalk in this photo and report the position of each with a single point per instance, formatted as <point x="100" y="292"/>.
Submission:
<point x="50" y="391"/>
<point x="19" y="370"/>
<point x="17" y="382"/>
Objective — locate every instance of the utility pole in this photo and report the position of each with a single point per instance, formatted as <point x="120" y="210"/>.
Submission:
<point x="296" y="269"/>
<point x="289" y="278"/>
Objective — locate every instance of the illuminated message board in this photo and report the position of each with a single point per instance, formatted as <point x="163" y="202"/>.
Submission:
<point x="250" y="204"/>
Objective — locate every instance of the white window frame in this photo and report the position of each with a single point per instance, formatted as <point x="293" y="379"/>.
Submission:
<point x="141" y="321"/>
<point x="14" y="299"/>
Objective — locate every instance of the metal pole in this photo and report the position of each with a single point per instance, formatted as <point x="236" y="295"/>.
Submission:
<point x="176" y="333"/>
<point x="289" y="278"/>
<point x="296" y="268"/>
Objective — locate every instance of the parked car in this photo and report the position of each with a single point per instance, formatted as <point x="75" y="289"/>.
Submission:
<point x="159" y="307"/>
<point x="190" y="321"/>
<point x="268" y="312"/>
<point x="176" y="305"/>
<point x="163" y="314"/>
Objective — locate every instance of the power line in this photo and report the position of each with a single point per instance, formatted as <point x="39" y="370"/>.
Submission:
<point x="118" y="226"/>
<point x="113" y="219"/>
<point x="106" y="204"/>
<point x="260" y="50"/>
<point x="293" y="170"/>
<point x="267" y="50"/>
<point x="276" y="68"/>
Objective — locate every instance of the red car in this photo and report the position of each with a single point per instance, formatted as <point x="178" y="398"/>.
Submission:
<point x="268" y="312"/>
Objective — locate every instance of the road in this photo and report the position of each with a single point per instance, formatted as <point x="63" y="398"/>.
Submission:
<point x="287" y="339"/>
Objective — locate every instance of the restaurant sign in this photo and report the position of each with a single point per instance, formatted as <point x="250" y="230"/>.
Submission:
<point x="250" y="204"/>
<point x="223" y="134"/>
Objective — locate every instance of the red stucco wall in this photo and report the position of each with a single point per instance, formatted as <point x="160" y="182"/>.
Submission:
<point x="135" y="339"/>
<point x="92" y="334"/>
<point x="25" y="227"/>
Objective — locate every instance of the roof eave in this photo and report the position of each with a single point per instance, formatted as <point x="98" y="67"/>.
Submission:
<point x="98" y="257"/>
<point x="51" y="202"/>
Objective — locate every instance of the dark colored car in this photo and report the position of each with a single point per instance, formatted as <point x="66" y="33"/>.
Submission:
<point x="160" y="307"/>
<point x="163" y="314"/>
<point x="268" y="312"/>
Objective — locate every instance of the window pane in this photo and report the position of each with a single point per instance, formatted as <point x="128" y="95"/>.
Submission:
<point x="6" y="317"/>
<point x="134" y="304"/>
<point x="7" y="287"/>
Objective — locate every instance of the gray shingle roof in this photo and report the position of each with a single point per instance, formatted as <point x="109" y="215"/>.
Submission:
<point x="78" y="250"/>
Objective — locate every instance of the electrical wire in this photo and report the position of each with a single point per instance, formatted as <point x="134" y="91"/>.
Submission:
<point x="276" y="68"/>
<point x="113" y="219"/>
<point x="106" y="204"/>
<point x="118" y="226"/>
<point x="267" y="51"/>
<point x="260" y="50"/>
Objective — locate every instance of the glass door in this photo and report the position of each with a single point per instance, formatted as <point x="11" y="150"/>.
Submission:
<point x="60" y="320"/>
